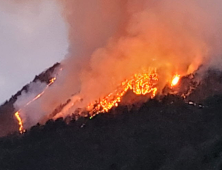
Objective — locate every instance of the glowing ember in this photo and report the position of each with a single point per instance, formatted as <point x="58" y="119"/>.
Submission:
<point x="140" y="84"/>
<point x="52" y="80"/>
<point x="175" y="80"/>
<point x="17" y="115"/>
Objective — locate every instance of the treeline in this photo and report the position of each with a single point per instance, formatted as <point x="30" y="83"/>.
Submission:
<point x="160" y="134"/>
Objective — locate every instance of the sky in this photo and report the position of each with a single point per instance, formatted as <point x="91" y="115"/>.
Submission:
<point x="33" y="36"/>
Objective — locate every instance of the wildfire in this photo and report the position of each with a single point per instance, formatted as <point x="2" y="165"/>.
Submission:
<point x="175" y="80"/>
<point x="140" y="84"/>
<point x="17" y="114"/>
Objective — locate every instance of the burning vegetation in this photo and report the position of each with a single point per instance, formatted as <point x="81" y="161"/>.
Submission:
<point x="140" y="84"/>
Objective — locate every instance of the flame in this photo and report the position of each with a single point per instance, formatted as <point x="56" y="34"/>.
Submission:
<point x="52" y="81"/>
<point x="17" y="114"/>
<point x="140" y="84"/>
<point x="175" y="80"/>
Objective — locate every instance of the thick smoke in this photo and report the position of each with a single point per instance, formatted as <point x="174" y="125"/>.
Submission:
<point x="112" y="40"/>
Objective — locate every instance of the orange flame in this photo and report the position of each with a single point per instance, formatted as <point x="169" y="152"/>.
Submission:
<point x="140" y="84"/>
<point x="19" y="119"/>
<point x="175" y="80"/>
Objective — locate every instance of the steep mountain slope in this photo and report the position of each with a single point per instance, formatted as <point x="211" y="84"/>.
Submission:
<point x="8" y="124"/>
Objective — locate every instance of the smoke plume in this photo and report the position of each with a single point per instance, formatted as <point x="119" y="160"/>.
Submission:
<point x="110" y="41"/>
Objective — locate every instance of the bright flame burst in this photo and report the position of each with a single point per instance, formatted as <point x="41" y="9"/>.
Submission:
<point x="175" y="80"/>
<point x="140" y="84"/>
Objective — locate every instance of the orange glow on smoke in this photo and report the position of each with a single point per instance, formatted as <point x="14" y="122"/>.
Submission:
<point x="175" y="80"/>
<point x="140" y="84"/>
<point x="17" y="114"/>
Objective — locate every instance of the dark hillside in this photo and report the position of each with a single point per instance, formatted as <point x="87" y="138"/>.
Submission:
<point x="167" y="134"/>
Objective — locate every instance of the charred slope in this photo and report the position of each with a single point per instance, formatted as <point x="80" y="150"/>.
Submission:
<point x="166" y="134"/>
<point x="8" y="123"/>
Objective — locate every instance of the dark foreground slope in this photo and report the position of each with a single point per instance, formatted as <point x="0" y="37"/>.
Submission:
<point x="160" y="135"/>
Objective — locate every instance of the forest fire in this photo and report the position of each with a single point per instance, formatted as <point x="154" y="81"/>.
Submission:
<point x="101" y="66"/>
<point x="143" y="83"/>
<point x="140" y="84"/>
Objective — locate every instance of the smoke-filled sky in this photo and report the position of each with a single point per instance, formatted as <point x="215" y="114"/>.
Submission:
<point x="33" y="36"/>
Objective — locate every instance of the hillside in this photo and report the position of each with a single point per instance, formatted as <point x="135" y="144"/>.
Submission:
<point x="8" y="124"/>
<point x="166" y="134"/>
